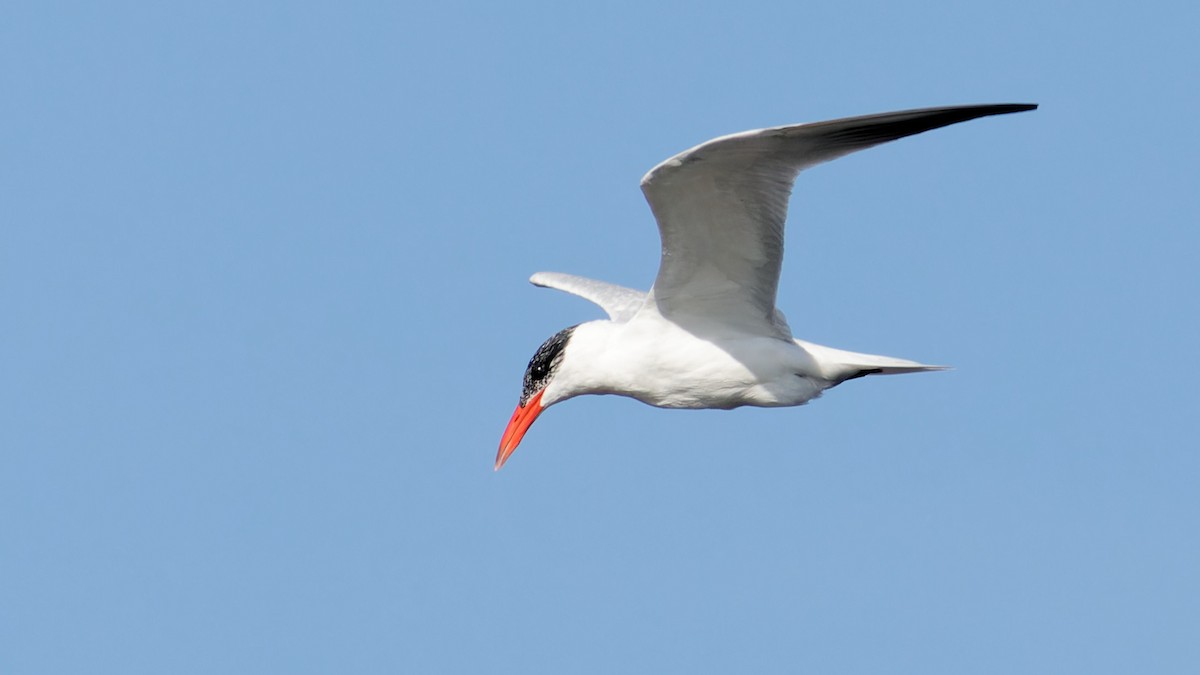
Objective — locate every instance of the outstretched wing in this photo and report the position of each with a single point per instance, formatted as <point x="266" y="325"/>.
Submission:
<point x="619" y="302"/>
<point x="721" y="208"/>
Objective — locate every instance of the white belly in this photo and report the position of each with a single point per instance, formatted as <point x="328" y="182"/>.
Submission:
<point x="663" y="365"/>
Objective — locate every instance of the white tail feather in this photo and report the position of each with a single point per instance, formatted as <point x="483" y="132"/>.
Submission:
<point x="838" y="364"/>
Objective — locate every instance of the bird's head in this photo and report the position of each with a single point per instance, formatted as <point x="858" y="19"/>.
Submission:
<point x="538" y="391"/>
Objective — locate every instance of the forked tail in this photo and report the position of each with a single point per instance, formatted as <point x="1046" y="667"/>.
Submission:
<point x="840" y="365"/>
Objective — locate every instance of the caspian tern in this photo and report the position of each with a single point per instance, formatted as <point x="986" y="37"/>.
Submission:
<point x="708" y="335"/>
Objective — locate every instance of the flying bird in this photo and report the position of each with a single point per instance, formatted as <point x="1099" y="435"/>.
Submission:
<point x="707" y="334"/>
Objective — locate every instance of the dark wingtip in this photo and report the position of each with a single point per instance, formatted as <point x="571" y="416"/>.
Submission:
<point x="856" y="133"/>
<point x="968" y="112"/>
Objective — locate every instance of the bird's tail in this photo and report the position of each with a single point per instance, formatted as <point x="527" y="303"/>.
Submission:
<point x="840" y="365"/>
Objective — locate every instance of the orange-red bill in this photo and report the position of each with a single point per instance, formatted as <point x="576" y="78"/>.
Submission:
<point x="522" y="417"/>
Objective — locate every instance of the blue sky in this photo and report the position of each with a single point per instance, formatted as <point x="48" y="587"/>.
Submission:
<point x="262" y="279"/>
